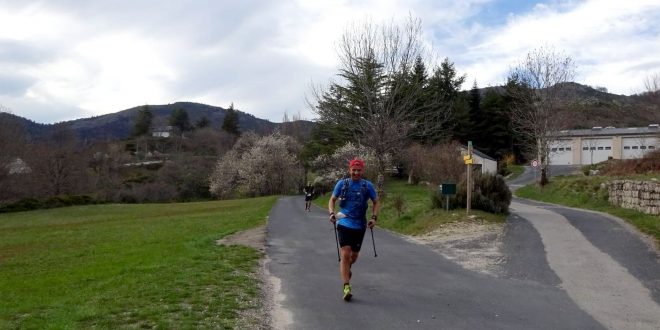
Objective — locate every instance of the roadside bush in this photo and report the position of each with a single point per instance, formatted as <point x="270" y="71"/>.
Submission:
<point x="25" y="204"/>
<point x="28" y="204"/>
<point x="491" y="194"/>
<point x="649" y="163"/>
<point x="503" y="170"/>
<point x="436" y="164"/>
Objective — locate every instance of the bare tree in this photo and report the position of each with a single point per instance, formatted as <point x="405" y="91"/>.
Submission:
<point x="377" y="100"/>
<point x="652" y="83"/>
<point x="58" y="164"/>
<point x="13" y="139"/>
<point x="652" y="96"/>
<point x="539" y="90"/>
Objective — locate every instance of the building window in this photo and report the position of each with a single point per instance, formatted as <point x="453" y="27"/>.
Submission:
<point x="561" y="149"/>
<point x="593" y="148"/>
<point x="608" y="148"/>
<point x="553" y="149"/>
<point x="651" y="147"/>
<point x="600" y="148"/>
<point x="568" y="149"/>
<point x="585" y="148"/>
<point x="635" y="147"/>
<point x="643" y="147"/>
<point x="626" y="147"/>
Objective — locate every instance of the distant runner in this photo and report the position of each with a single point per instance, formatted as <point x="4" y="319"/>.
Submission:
<point x="309" y="193"/>
<point x="351" y="221"/>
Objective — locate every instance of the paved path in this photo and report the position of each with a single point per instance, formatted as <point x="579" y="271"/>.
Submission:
<point x="594" y="279"/>
<point x="407" y="286"/>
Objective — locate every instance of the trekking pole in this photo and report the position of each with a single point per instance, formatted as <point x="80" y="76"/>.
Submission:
<point x="337" y="240"/>
<point x="373" y="242"/>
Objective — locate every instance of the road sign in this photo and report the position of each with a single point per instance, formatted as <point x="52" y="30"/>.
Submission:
<point x="468" y="161"/>
<point x="467" y="157"/>
<point x="535" y="163"/>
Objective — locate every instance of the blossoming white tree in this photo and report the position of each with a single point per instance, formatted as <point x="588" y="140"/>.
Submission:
<point x="258" y="166"/>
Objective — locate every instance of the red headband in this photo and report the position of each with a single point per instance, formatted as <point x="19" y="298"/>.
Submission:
<point x="358" y="163"/>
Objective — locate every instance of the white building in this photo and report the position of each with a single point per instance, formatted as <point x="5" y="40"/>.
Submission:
<point x="164" y="131"/>
<point x="591" y="146"/>
<point x="481" y="161"/>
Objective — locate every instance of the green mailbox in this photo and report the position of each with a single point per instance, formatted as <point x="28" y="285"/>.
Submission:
<point x="448" y="188"/>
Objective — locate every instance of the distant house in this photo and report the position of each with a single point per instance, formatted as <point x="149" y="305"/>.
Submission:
<point x="163" y="131"/>
<point x="481" y="162"/>
<point x="591" y="146"/>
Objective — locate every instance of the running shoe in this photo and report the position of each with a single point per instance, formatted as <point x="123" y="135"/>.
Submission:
<point x="347" y="292"/>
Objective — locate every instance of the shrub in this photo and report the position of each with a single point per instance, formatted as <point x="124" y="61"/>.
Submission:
<point x="399" y="204"/>
<point x="491" y="194"/>
<point x="28" y="204"/>
<point x="503" y="170"/>
<point x="25" y="204"/>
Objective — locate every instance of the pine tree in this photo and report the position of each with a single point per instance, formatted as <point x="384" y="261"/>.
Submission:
<point x="497" y="132"/>
<point x="477" y="120"/>
<point x="203" y="122"/>
<point x="143" y="121"/>
<point x="179" y="119"/>
<point x="445" y="85"/>
<point x="230" y="122"/>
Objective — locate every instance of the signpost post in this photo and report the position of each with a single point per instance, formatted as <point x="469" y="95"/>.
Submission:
<point x="448" y="189"/>
<point x="468" y="161"/>
<point x="535" y="165"/>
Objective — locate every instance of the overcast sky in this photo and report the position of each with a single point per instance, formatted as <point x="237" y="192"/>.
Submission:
<point x="70" y="59"/>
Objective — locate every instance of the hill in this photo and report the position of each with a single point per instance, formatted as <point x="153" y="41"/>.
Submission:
<point x="597" y="107"/>
<point x="116" y="126"/>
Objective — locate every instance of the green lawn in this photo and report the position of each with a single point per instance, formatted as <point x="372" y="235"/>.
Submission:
<point x="586" y="192"/>
<point x="128" y="266"/>
<point x="417" y="216"/>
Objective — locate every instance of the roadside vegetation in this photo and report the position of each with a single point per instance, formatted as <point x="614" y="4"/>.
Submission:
<point x="514" y="171"/>
<point x="129" y="266"/>
<point x="408" y="209"/>
<point x="589" y="191"/>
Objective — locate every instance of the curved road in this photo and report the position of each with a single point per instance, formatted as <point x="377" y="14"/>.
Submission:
<point x="565" y="269"/>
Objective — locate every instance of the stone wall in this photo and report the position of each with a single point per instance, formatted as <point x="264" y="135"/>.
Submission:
<point x="643" y="196"/>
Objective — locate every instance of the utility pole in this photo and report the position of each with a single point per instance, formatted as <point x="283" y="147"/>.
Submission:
<point x="468" y="162"/>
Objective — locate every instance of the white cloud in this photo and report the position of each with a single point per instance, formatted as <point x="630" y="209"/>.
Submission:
<point x="93" y="57"/>
<point x="607" y="39"/>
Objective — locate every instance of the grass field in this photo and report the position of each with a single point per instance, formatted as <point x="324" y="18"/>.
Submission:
<point x="587" y="193"/>
<point x="417" y="216"/>
<point x="128" y="266"/>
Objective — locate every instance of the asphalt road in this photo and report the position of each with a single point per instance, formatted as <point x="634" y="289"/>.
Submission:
<point x="564" y="269"/>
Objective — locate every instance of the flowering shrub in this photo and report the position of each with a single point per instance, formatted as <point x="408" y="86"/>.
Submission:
<point x="330" y="168"/>
<point x="258" y="166"/>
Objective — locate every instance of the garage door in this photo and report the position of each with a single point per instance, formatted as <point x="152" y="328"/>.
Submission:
<point x="636" y="147"/>
<point x="596" y="150"/>
<point x="561" y="153"/>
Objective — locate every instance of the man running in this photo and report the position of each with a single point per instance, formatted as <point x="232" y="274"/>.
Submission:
<point x="353" y="194"/>
<point x="309" y="193"/>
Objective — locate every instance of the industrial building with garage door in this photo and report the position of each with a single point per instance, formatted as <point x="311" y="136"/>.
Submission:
<point x="591" y="146"/>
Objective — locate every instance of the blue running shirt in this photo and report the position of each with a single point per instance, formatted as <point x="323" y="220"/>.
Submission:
<point x="356" y="203"/>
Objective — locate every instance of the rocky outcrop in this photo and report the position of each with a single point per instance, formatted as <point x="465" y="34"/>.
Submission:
<point x="643" y="196"/>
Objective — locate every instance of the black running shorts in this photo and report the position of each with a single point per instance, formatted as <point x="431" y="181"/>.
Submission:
<point x="351" y="237"/>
